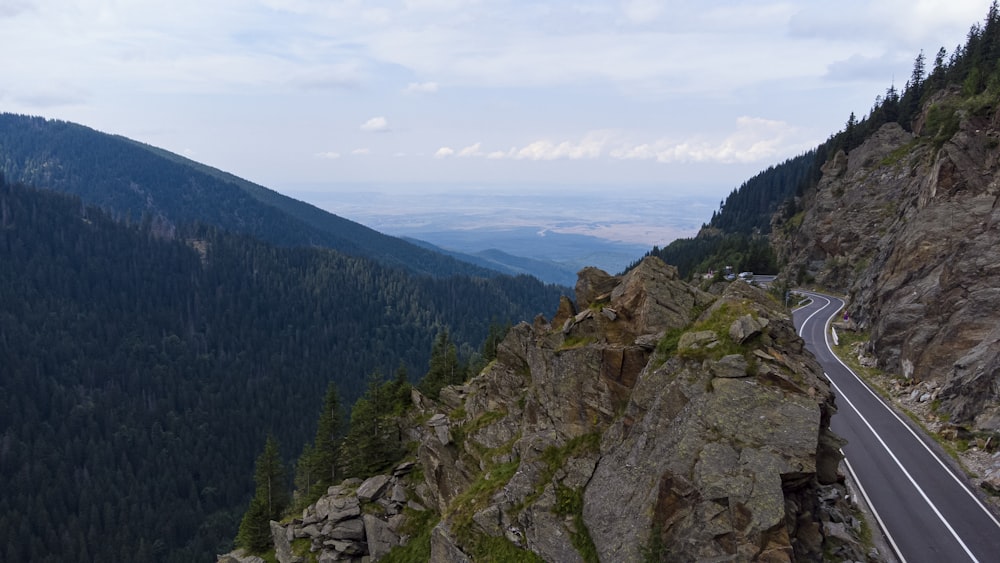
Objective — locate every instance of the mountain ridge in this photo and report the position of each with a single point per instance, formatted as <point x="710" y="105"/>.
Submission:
<point x="131" y="178"/>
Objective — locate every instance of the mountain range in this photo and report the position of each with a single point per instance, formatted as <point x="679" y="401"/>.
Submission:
<point x="159" y="318"/>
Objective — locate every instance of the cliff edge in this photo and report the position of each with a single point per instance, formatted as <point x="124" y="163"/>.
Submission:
<point x="647" y="420"/>
<point x="906" y="226"/>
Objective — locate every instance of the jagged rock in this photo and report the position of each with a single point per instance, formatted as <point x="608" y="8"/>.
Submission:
<point x="719" y="460"/>
<point x="373" y="487"/>
<point x="443" y="548"/>
<point x="439" y="422"/>
<point x="745" y="328"/>
<point x="706" y="461"/>
<point x="733" y="365"/>
<point x="591" y="284"/>
<point x="398" y="495"/>
<point x="310" y="531"/>
<point x="282" y="545"/>
<point x="696" y="340"/>
<point x="353" y="529"/>
<point x="403" y="468"/>
<point x="334" y="507"/>
<point x="238" y="556"/>
<point x="452" y="396"/>
<point x="445" y="475"/>
<point x="345" y="547"/>
<point x="381" y="538"/>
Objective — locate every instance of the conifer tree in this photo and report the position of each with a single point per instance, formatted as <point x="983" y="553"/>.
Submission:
<point x="372" y="442"/>
<point x="444" y="367"/>
<point x="269" y="501"/>
<point x="317" y="466"/>
<point x="328" y="434"/>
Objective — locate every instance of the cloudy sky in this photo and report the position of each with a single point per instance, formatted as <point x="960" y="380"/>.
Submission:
<point x="291" y="92"/>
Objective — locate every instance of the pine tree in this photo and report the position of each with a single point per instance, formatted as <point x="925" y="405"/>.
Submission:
<point x="372" y="442"/>
<point x="444" y="367"/>
<point x="328" y="434"/>
<point x="269" y="501"/>
<point x="317" y="466"/>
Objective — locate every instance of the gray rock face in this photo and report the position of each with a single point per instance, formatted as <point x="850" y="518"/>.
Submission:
<point x="373" y="488"/>
<point x="380" y="536"/>
<point x="238" y="556"/>
<point x="337" y="528"/>
<point x="282" y="545"/>
<point x="909" y="232"/>
<point x="721" y="455"/>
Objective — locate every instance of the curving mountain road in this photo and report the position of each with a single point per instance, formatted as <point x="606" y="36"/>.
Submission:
<point x="926" y="510"/>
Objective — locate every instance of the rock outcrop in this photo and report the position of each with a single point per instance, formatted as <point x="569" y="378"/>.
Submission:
<point x="355" y="521"/>
<point x="647" y="420"/>
<point x="906" y="225"/>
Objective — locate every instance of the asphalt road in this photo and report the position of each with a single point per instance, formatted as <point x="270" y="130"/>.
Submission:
<point x="925" y="508"/>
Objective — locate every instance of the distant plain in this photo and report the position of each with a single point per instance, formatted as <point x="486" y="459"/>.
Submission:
<point x="608" y="226"/>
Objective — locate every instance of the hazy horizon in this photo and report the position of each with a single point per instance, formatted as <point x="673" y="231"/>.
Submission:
<point x="641" y="214"/>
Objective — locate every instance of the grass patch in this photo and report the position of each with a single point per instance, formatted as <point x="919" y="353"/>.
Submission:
<point x="718" y="321"/>
<point x="492" y="549"/>
<point x="942" y="124"/>
<point x="484" y="420"/>
<point x="418" y="526"/>
<point x="554" y="458"/>
<point x="574" y="342"/>
<point x="477" y="497"/>
<point x="667" y="346"/>
<point x="569" y="502"/>
<point x="300" y="547"/>
<point x="897" y="155"/>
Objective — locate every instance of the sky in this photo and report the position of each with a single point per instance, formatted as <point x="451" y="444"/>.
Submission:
<point x="307" y="94"/>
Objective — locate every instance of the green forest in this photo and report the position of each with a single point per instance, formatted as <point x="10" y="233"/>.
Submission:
<point x="143" y="369"/>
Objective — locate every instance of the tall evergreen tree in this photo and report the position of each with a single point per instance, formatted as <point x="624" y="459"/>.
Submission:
<point x="444" y="367"/>
<point x="372" y="442"/>
<point x="317" y="467"/>
<point x="269" y="501"/>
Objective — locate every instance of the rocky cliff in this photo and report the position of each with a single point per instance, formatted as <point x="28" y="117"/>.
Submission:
<point x="907" y="226"/>
<point x="648" y="420"/>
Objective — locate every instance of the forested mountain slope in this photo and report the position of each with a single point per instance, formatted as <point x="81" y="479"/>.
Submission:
<point x="129" y="178"/>
<point x="142" y="367"/>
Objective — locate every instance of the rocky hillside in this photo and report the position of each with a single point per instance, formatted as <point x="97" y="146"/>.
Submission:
<point x="906" y="225"/>
<point x="648" y="420"/>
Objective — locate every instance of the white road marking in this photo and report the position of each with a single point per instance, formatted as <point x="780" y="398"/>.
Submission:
<point x="909" y="429"/>
<point x="905" y="472"/>
<point x="871" y="506"/>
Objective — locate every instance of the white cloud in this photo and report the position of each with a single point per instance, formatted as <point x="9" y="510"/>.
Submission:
<point x="642" y="11"/>
<point x="361" y="152"/>
<point x="437" y="5"/>
<point x="590" y="146"/>
<point x="421" y="88"/>
<point x="471" y="150"/>
<point x="331" y="155"/>
<point x="376" y="125"/>
<point x="753" y="139"/>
